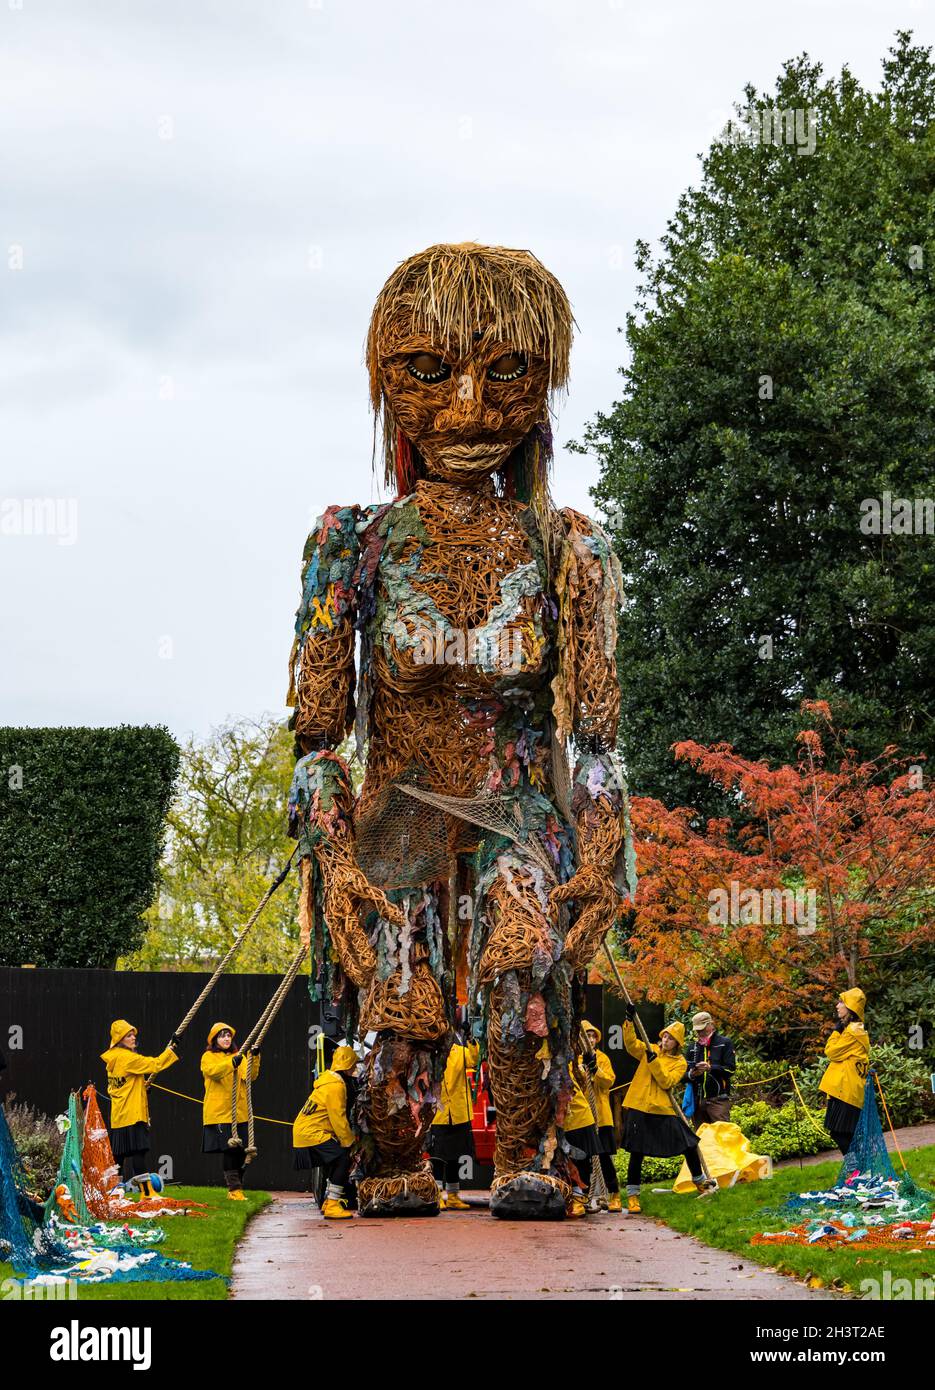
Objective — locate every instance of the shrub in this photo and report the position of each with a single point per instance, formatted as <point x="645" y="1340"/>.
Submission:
<point x="82" y="813"/>
<point x="39" y="1143"/>
<point x="661" y="1170"/>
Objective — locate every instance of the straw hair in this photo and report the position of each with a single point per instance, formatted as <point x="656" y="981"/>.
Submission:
<point x="452" y="291"/>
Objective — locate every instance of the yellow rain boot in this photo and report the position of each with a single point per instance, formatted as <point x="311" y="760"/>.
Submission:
<point x="577" y="1207"/>
<point x="614" y="1203"/>
<point x="335" y="1209"/>
<point x="633" y="1205"/>
<point x="451" y="1201"/>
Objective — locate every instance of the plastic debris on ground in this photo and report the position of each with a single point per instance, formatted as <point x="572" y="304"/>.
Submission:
<point x="868" y="1203"/>
<point x="62" y="1241"/>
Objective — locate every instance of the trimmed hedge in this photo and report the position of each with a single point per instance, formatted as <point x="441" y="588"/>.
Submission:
<point x="82" y="819"/>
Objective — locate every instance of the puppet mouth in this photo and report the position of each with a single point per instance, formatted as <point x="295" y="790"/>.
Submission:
<point x="487" y="455"/>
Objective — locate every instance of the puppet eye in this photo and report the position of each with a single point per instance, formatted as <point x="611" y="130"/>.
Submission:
<point x="425" y="366"/>
<point x="508" y="367"/>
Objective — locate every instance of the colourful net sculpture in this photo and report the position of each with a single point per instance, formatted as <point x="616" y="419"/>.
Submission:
<point x="869" y="1202"/>
<point x="62" y="1240"/>
<point x="474" y="863"/>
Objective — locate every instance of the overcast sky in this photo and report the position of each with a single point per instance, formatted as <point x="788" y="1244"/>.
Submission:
<point x="199" y="201"/>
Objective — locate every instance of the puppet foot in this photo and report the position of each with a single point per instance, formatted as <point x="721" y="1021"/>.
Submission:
<point x="529" y="1197"/>
<point x="402" y="1194"/>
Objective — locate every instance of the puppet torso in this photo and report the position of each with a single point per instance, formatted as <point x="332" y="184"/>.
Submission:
<point x="462" y="644"/>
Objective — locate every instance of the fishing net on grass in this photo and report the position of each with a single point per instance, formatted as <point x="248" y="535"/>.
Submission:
<point x="868" y="1203"/>
<point x="24" y="1241"/>
<point x="102" y="1189"/>
<point x="54" y="1248"/>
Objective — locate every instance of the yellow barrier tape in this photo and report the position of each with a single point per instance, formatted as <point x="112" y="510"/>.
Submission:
<point x="182" y="1096"/>
<point x="808" y="1113"/>
<point x="740" y="1085"/>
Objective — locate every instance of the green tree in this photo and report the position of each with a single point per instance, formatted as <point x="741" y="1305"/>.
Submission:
<point x="226" y="840"/>
<point x="780" y="374"/>
<point x="82" y="821"/>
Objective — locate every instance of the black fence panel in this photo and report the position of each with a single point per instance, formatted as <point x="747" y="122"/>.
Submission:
<point x="54" y="1024"/>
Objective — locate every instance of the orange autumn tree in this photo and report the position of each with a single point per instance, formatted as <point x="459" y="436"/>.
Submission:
<point x="830" y="877"/>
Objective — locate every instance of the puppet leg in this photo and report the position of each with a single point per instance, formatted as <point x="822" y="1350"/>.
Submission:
<point x="527" y="1052"/>
<point x="397" y="1101"/>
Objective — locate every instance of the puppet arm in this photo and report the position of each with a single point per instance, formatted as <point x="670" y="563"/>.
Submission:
<point x="587" y="707"/>
<point x="321" y="691"/>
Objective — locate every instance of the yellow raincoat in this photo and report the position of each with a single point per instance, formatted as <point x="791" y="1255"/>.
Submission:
<point x="324" y="1114"/>
<point x="650" y="1088"/>
<point x="849" y="1061"/>
<point x="126" y="1077"/>
<point x="603" y="1079"/>
<point x="216" y="1068"/>
<point x="578" y="1115"/>
<point x="455" y="1106"/>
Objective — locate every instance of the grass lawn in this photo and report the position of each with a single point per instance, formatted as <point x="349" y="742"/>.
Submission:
<point x="206" y="1242"/>
<point x="728" y="1219"/>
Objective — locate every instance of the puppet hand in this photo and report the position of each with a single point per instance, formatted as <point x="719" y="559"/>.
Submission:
<point x="592" y="889"/>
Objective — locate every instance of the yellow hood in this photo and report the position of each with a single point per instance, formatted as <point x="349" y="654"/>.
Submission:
<point x="119" y="1030"/>
<point x="677" y="1030"/>
<point x="344" y="1059"/>
<point x="587" y="1027"/>
<point x="856" y="1001"/>
<point x="219" y="1028"/>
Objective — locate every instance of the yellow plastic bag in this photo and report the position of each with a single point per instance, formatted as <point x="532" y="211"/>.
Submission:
<point x="727" y="1157"/>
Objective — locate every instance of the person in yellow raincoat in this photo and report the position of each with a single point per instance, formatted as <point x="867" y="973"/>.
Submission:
<point x="601" y="1071"/>
<point x="581" y="1133"/>
<point x="127" y="1071"/>
<point x="322" y="1136"/>
<point x="848" y="1053"/>
<point x="452" y="1134"/>
<point x="651" y="1123"/>
<point x="218" y="1064"/>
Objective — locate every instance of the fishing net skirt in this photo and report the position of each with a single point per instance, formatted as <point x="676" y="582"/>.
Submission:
<point x="658" y="1136"/>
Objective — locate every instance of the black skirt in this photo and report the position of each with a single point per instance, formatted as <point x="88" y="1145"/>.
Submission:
<point x="608" y="1139"/>
<point x="450" y="1142"/>
<point x="214" y="1137"/>
<point x="841" y="1118"/>
<point x="130" y="1139"/>
<point x="585" y="1140"/>
<point x="658" y="1136"/>
<point x="316" y="1155"/>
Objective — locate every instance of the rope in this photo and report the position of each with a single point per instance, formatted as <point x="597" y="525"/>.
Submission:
<point x="597" y="1186"/>
<point x="251" y="1044"/>
<point x="238" y="942"/>
<point x="645" y="1037"/>
<point x="890" y="1122"/>
<point x="195" y="1101"/>
<point x="808" y="1113"/>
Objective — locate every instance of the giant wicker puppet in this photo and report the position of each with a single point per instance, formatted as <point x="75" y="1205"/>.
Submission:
<point x="470" y="627"/>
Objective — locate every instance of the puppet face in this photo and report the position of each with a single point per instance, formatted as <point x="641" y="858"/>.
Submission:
<point x="464" y="404"/>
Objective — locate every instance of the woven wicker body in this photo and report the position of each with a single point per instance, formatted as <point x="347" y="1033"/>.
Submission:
<point x="473" y="864"/>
